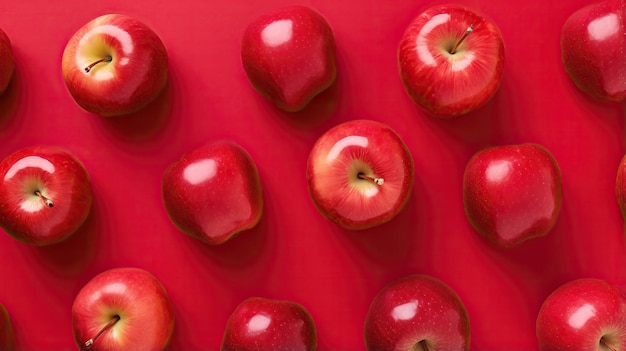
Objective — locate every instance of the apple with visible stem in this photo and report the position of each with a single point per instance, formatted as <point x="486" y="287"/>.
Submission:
<point x="123" y="309"/>
<point x="214" y="192"/>
<point x="7" y="61"/>
<point x="7" y="338"/>
<point x="417" y="313"/>
<point x="266" y="324"/>
<point x="585" y="314"/>
<point x="451" y="60"/>
<point x="592" y="45"/>
<point x="512" y="193"/>
<point x="289" y="56"/>
<point x="46" y="195"/>
<point x="360" y="174"/>
<point x="114" y="65"/>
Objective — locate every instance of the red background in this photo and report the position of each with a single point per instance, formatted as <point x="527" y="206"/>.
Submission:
<point x="294" y="253"/>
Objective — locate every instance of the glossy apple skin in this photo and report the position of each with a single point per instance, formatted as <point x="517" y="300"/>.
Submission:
<point x="417" y="309"/>
<point x="581" y="315"/>
<point x="7" y="61"/>
<point x="265" y="324"/>
<point x="620" y="186"/>
<point x="7" y="338"/>
<point x="137" y="297"/>
<point x="135" y="76"/>
<point x="213" y="192"/>
<point x="512" y="193"/>
<point x="447" y="85"/>
<point x="289" y="56"/>
<point x="346" y="150"/>
<point x="592" y="44"/>
<point x="60" y="177"/>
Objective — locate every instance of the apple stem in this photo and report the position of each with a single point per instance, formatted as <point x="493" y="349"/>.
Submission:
<point x="89" y="343"/>
<point x="456" y="46"/>
<point x="373" y="180"/>
<point x="105" y="59"/>
<point x="606" y="344"/>
<point x="45" y="199"/>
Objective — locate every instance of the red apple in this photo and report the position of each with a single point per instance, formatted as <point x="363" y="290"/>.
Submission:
<point x="7" y="339"/>
<point x="451" y="60"/>
<point x="7" y="63"/>
<point x="583" y="315"/>
<point x="592" y="45"/>
<point x="620" y="186"/>
<point x="46" y="195"/>
<point x="289" y="56"/>
<point x="123" y="309"/>
<point x="417" y="312"/>
<point x="266" y="324"/>
<point x="360" y="174"/>
<point x="214" y="192"/>
<point x="114" y="65"/>
<point x="512" y="193"/>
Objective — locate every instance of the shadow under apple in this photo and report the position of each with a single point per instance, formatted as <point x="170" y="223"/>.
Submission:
<point x="144" y="124"/>
<point x="69" y="257"/>
<point x="318" y="110"/>
<point x="389" y="245"/>
<point x="9" y="100"/>
<point x="240" y="251"/>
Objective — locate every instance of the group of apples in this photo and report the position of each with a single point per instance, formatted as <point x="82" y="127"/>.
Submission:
<point x="360" y="174"/>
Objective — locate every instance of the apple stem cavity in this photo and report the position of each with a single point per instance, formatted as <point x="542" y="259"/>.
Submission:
<point x="89" y="343"/>
<point x="606" y="345"/>
<point x="420" y="346"/>
<point x="456" y="46"/>
<point x="44" y="198"/>
<point x="105" y="59"/>
<point x="373" y="180"/>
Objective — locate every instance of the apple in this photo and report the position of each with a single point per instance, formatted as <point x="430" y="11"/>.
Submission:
<point x="265" y="324"/>
<point x="585" y="314"/>
<point x="7" y="61"/>
<point x="512" y="193"/>
<point x="46" y="195"/>
<point x="360" y="174"/>
<point x="592" y="43"/>
<point x="417" y="313"/>
<point x="620" y="186"/>
<point x="7" y="339"/>
<point x="114" y="65"/>
<point x="213" y="193"/>
<point x="451" y="60"/>
<point x="123" y="309"/>
<point x="289" y="56"/>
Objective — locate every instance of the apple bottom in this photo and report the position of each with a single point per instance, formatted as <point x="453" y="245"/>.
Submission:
<point x="417" y="313"/>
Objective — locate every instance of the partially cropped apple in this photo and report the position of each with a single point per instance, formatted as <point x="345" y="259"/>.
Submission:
<point x="289" y="56"/>
<point x="7" y="61"/>
<point x="417" y="312"/>
<point x="512" y="193"/>
<point x="451" y="60"/>
<point x="45" y="195"/>
<point x="266" y="324"/>
<point x="214" y="192"/>
<point x="620" y="186"/>
<point x="592" y="45"/>
<point x="584" y="315"/>
<point x="360" y="174"/>
<point x="123" y="309"/>
<point x="7" y="338"/>
<point x="114" y="65"/>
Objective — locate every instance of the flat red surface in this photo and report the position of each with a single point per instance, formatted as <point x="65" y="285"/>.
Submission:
<point x="294" y="253"/>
